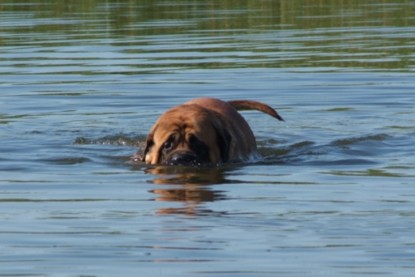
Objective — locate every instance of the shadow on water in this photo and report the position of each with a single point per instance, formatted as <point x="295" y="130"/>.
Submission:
<point x="191" y="186"/>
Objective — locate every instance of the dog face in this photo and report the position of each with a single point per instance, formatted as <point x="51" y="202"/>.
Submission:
<point x="187" y="135"/>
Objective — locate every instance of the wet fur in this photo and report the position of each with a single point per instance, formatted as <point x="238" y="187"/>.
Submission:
<point x="209" y="124"/>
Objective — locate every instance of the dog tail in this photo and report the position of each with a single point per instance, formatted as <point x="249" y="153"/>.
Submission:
<point x="242" y="105"/>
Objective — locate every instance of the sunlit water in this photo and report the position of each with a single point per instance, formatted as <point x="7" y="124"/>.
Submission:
<point x="81" y="83"/>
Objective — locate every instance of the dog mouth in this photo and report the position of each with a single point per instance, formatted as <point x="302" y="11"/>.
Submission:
<point x="184" y="158"/>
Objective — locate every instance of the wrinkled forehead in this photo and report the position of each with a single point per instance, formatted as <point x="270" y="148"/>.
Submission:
<point x="182" y="121"/>
<point x="164" y="129"/>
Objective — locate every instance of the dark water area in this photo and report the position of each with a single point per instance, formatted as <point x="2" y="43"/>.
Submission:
<point x="82" y="82"/>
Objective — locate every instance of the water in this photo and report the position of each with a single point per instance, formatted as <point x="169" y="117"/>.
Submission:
<point x="82" y="82"/>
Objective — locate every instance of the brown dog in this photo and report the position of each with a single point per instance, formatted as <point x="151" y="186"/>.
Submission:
<point x="203" y="131"/>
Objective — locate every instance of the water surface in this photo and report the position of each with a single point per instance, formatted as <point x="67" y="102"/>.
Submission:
<point x="82" y="82"/>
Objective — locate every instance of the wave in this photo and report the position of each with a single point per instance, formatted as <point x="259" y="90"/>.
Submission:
<point x="343" y="151"/>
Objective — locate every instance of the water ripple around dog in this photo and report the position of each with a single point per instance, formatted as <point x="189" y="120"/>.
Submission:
<point x="82" y="82"/>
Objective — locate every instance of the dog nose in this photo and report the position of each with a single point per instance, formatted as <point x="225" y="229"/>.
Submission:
<point x="183" y="159"/>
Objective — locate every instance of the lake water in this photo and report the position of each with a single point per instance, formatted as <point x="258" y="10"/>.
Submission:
<point x="81" y="83"/>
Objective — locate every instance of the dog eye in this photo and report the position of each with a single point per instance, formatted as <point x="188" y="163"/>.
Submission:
<point x="193" y="140"/>
<point x="169" y="143"/>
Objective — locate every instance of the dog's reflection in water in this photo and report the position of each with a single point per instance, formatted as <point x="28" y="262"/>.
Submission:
<point x="191" y="186"/>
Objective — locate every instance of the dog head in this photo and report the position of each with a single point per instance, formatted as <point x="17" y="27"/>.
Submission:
<point x="188" y="135"/>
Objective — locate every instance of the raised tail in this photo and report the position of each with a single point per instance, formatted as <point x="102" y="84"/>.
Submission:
<point x="242" y="105"/>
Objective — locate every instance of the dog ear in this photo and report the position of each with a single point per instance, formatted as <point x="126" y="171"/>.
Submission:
<point x="149" y="144"/>
<point x="149" y="141"/>
<point x="223" y="139"/>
